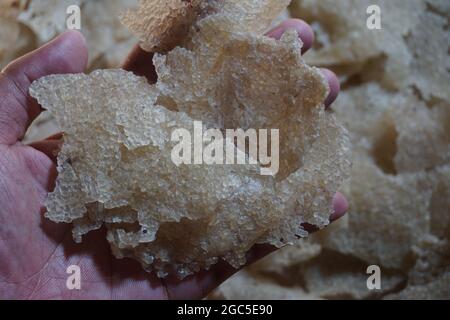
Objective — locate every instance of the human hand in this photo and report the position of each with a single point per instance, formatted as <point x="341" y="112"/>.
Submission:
<point x="34" y="252"/>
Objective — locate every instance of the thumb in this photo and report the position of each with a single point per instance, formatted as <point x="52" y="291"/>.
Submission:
<point x="65" y="54"/>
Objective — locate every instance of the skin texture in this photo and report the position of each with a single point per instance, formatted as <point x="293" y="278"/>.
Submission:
<point x="34" y="252"/>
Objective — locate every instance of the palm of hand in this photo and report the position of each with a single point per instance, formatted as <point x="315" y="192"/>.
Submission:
<point x="35" y="253"/>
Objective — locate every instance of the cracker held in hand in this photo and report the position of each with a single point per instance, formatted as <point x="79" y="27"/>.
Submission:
<point x="115" y="167"/>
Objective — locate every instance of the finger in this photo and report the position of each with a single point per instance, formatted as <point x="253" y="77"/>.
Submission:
<point x="340" y="207"/>
<point x="201" y="284"/>
<point x="140" y="63"/>
<point x="65" y="54"/>
<point x="305" y="32"/>
<point x="334" y="84"/>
